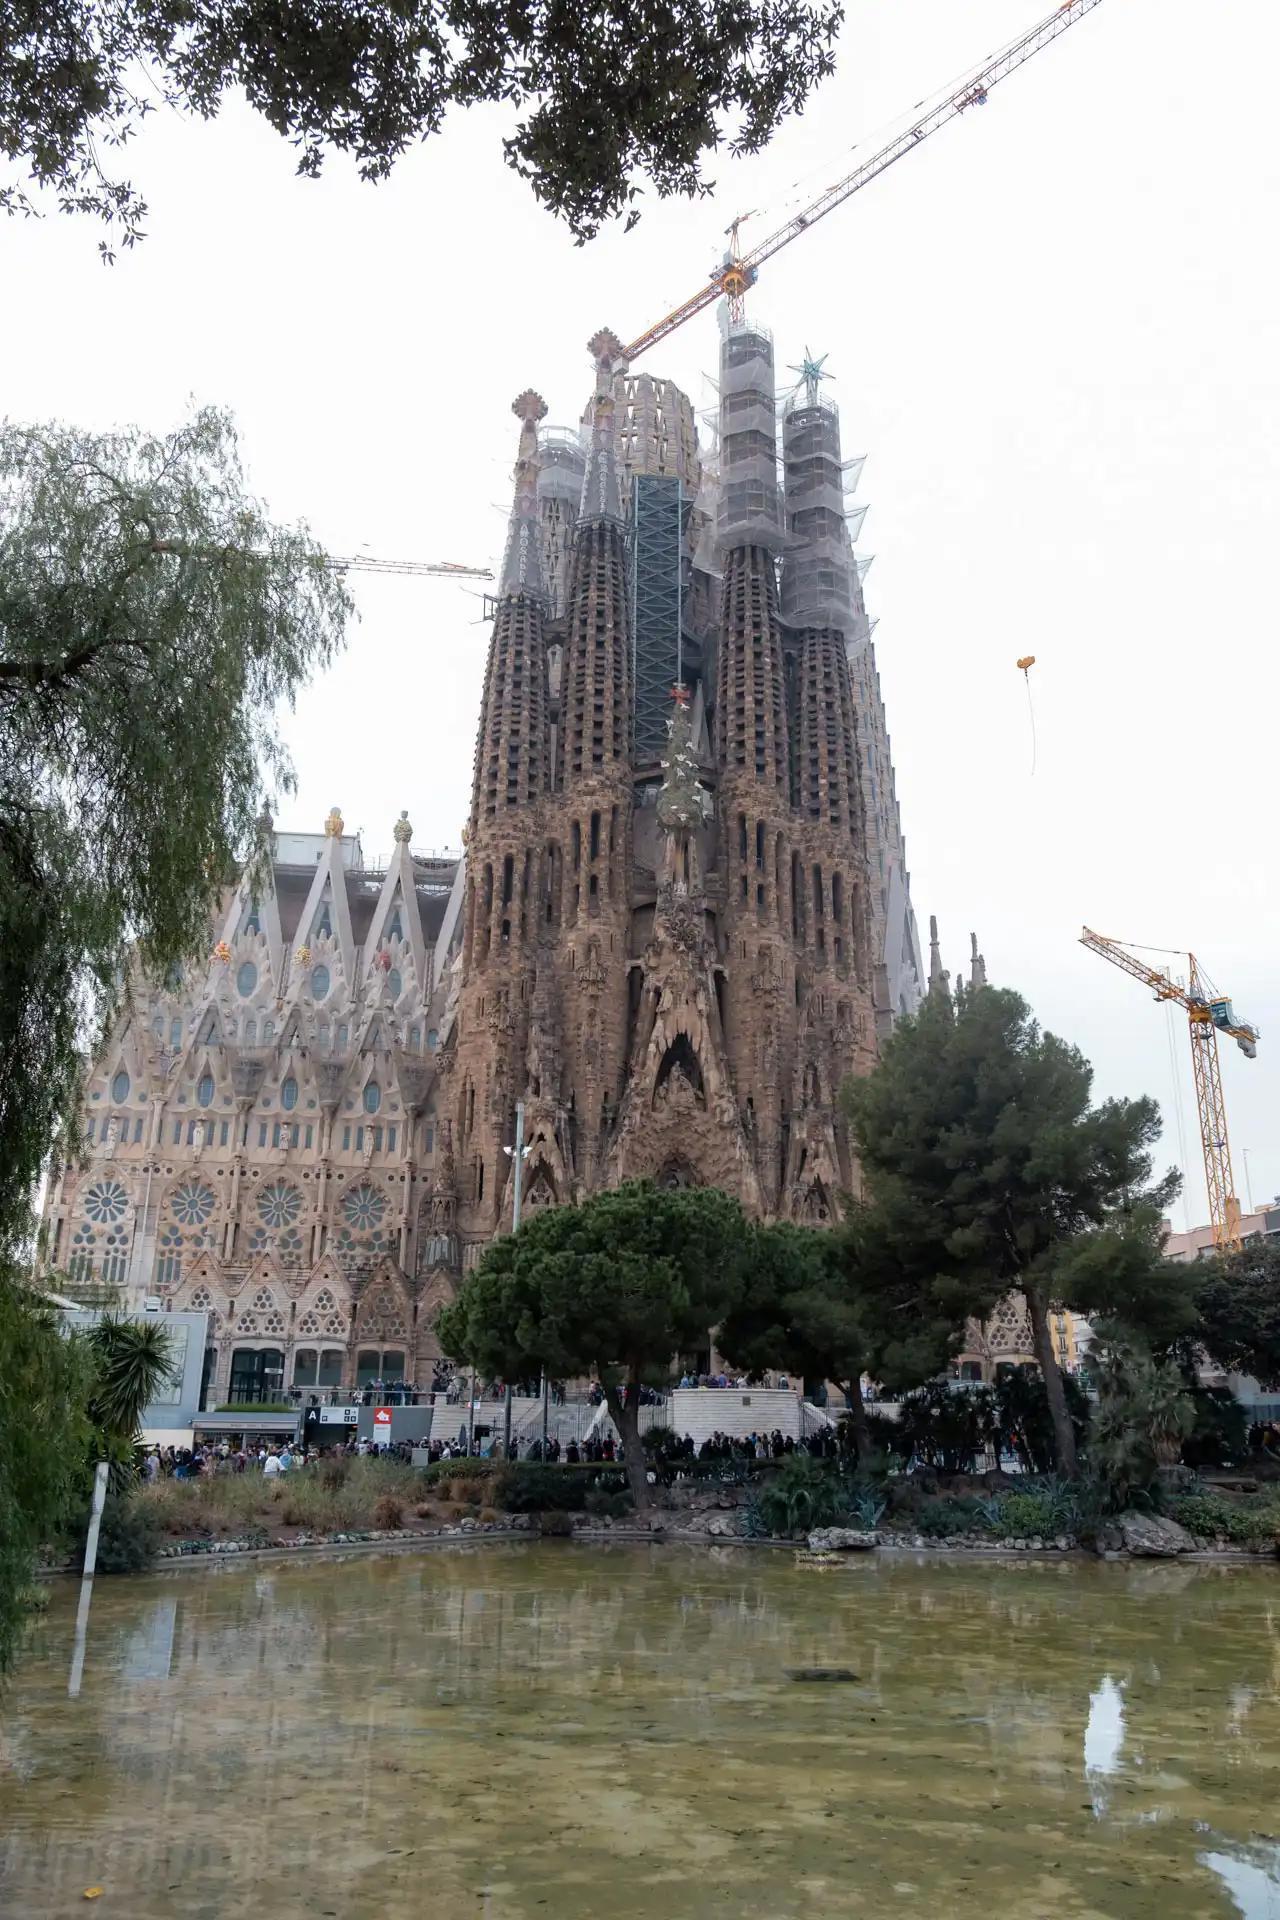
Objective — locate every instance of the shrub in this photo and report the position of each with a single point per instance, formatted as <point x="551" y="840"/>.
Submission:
<point x="530" y="1486"/>
<point x="1220" y="1436"/>
<point x="606" y="1505"/>
<point x="947" y="1427"/>
<point x="333" y="1473"/>
<point x="1213" y="1517"/>
<point x="802" y="1493"/>
<point x="557" y="1526"/>
<point x="388" y="1511"/>
<point x="940" y="1518"/>
<point x="127" y="1538"/>
<point x="1024" y="1425"/>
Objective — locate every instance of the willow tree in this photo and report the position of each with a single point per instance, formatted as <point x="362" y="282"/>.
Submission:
<point x="152" y="620"/>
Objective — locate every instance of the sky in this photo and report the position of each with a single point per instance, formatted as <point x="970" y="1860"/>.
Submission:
<point x="1053" y="331"/>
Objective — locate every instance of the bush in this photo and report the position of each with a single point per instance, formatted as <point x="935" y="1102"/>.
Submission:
<point x="555" y="1526"/>
<point x="1024" y="1425"/>
<point x="1220" y="1436"/>
<point x="1214" y="1518"/>
<point x="606" y="1505"/>
<point x="127" y="1538"/>
<point x="530" y="1486"/>
<point x="949" y="1428"/>
<point x="941" y="1518"/>
<point x="388" y="1512"/>
<point x="801" y="1494"/>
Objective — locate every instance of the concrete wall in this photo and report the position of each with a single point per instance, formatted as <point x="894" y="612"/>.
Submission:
<point x="698" y="1412"/>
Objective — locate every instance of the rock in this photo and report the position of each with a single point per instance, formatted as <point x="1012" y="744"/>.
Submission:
<point x="840" y="1674"/>
<point x="1150" y="1536"/>
<point x="1062" y="1543"/>
<point x="841" y="1540"/>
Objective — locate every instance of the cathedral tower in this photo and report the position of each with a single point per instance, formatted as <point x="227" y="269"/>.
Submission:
<point x="589" y="844"/>
<point x="505" y="880"/>
<point x="758" y="854"/>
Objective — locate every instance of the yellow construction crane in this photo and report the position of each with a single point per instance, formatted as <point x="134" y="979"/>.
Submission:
<point x="738" y="270"/>
<point x="1209" y="1013"/>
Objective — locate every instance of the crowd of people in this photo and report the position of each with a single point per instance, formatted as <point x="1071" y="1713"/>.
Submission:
<point x="750" y="1446"/>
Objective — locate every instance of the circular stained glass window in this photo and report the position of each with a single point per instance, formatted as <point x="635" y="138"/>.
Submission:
<point x="246" y="979"/>
<point x="120" y="1087"/>
<point x="192" y="1203"/>
<point x="204" y="1091"/>
<point x="106" y="1202"/>
<point x="289" y="1094"/>
<point x="395" y="983"/>
<point x="279" y="1204"/>
<point x="319" y="982"/>
<point x="364" y="1207"/>
<point x="372" y="1097"/>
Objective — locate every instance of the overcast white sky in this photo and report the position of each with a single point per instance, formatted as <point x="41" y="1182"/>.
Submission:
<point x="1054" y="333"/>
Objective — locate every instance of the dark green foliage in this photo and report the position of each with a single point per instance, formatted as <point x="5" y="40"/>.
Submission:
<point x="1023" y="1422"/>
<point x="949" y="1429"/>
<point x="1220" y="1436"/>
<point x="988" y="1171"/>
<point x="138" y="695"/>
<point x="131" y="1361"/>
<point x="803" y="1493"/>
<point x="44" y="1440"/>
<point x="1144" y="1412"/>
<point x="613" y="1287"/>
<point x="605" y="97"/>
<point x="1238" y="1301"/>
<point x="1212" y="1517"/>
<point x="604" y="1505"/>
<point x="127" y="1538"/>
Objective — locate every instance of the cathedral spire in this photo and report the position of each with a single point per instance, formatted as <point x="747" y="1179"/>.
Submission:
<point x="939" y="978"/>
<point x="522" y="570"/>
<point x="977" y="964"/>
<point x="602" y="486"/>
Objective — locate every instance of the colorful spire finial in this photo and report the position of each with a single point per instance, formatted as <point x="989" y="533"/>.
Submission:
<point x="333" y="824"/>
<point x="402" y="832"/>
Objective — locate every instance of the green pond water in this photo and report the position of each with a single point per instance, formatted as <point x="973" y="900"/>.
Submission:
<point x="568" y="1731"/>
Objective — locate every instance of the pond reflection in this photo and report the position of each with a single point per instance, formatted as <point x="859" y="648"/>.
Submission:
<point x="542" y="1730"/>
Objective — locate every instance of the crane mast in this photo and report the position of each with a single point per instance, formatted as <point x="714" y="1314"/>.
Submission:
<point x="1208" y="1014"/>
<point x="738" y="271"/>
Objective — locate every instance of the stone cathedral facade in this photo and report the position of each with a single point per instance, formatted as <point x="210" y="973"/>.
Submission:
<point x="681" y="922"/>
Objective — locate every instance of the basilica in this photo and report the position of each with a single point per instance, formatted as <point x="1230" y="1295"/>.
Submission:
<point x="680" y="921"/>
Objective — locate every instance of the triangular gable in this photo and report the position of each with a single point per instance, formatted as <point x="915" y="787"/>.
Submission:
<point x="397" y="917"/>
<point x="260" y="905"/>
<point x="327" y="905"/>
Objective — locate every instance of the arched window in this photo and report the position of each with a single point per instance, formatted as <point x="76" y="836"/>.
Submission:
<point x="289" y="1094"/>
<point x="372" y="1097"/>
<point x="120" y="1087"/>
<point x="433" y="1039"/>
<point x="415" y="1039"/>
<point x="204" y="1091"/>
<point x="319" y="982"/>
<point x="395" y="983"/>
<point x="246" y="978"/>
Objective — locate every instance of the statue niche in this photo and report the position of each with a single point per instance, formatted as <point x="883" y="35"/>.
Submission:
<point x="680" y="1075"/>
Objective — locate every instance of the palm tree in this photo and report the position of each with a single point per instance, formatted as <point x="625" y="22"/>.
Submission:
<point x="131" y="1359"/>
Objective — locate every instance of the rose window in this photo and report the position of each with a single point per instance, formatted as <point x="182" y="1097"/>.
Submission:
<point x="106" y="1202"/>
<point x="363" y="1208"/>
<point x="192" y="1203"/>
<point x="279" y="1204"/>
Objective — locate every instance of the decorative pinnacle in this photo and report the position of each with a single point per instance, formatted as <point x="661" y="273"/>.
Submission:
<point x="811" y="375"/>
<point x="680" y="694"/>
<point x="402" y="831"/>
<point x="333" y="823"/>
<point x="529" y="407"/>
<point x="605" y="349"/>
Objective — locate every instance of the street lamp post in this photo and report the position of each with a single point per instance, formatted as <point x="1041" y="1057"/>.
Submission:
<point x="518" y="1155"/>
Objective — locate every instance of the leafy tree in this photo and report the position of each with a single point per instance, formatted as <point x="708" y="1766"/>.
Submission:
<point x="606" y="97"/>
<point x="1143" y="1414"/>
<point x="44" y="1437"/>
<point x="833" y="1306"/>
<point x="1238" y="1301"/>
<point x="1023" y="1421"/>
<point x="989" y="1168"/>
<point x="616" y="1287"/>
<point x="151" y="621"/>
<point x="131" y="1360"/>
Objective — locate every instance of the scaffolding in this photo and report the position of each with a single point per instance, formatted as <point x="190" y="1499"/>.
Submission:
<point x="658" y="509"/>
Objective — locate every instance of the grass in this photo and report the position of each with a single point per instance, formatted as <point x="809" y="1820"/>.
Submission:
<point x="368" y="1494"/>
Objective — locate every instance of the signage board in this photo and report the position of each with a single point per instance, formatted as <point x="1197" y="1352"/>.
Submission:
<point x="381" y="1426"/>
<point x="339" y="1416"/>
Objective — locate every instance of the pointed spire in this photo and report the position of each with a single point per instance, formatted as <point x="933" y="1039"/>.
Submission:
<point x="601" y="486"/>
<point x="939" y="979"/>
<point x="977" y="964"/>
<point x="522" y="570"/>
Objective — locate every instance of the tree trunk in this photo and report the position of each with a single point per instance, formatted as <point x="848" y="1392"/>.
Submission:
<point x="1064" y="1434"/>
<point x="864" y="1445"/>
<point x="626" y="1418"/>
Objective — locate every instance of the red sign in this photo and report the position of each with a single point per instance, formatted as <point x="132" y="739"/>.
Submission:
<point x="382" y="1423"/>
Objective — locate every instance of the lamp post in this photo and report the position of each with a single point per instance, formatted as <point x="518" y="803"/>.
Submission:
<point x="518" y="1155"/>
